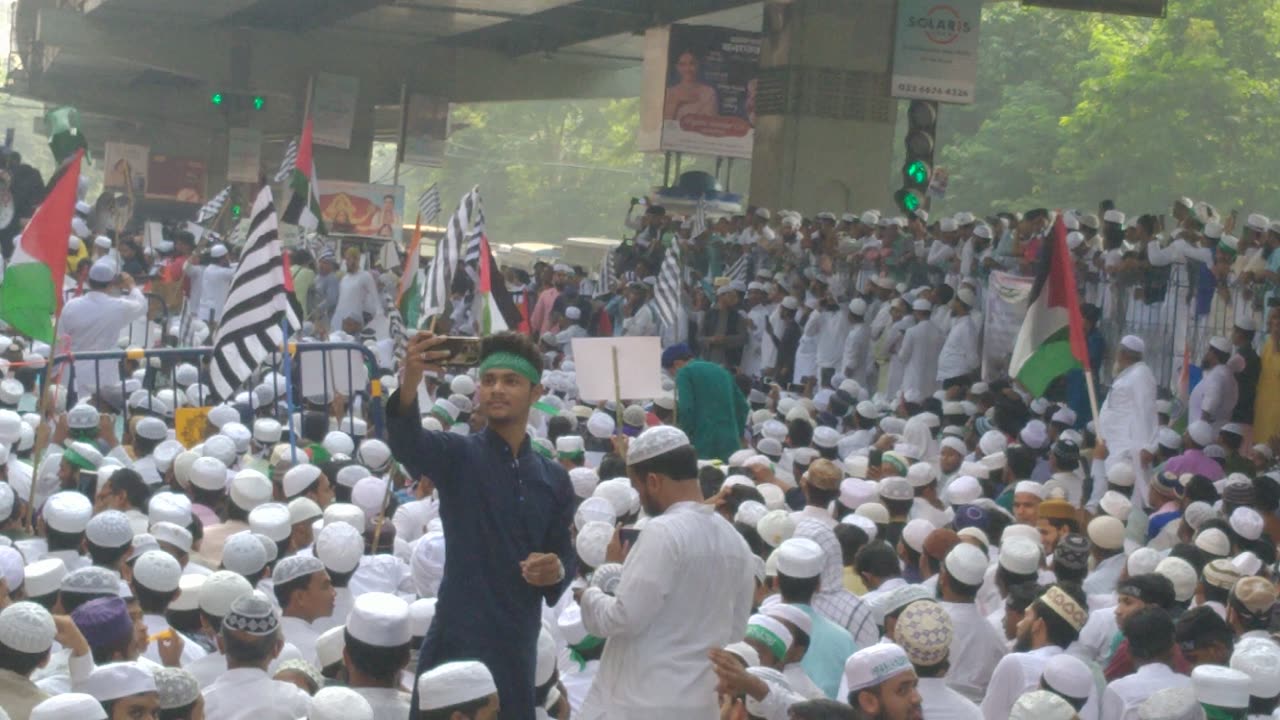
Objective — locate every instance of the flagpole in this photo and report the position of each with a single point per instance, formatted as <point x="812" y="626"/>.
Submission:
<point x="42" y="444"/>
<point x="1093" y="393"/>
<point x="288" y="390"/>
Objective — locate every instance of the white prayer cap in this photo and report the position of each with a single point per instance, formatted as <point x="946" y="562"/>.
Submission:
<point x="339" y="547"/>
<point x="1113" y="216"/>
<point x="915" y="532"/>
<point x="271" y="519"/>
<point x="545" y="665"/>
<point x="824" y="437"/>
<point x="344" y="513"/>
<point x="43" y="577"/>
<point x="68" y="511"/>
<point x="177" y="687"/>
<point x="1220" y="344"/>
<point x="895" y="488"/>
<point x="1133" y="344"/>
<point x="1107" y="532"/>
<point x="1220" y="686"/>
<point x="249" y="489"/>
<point x="656" y="441"/>
<point x="773" y="429"/>
<point x="208" y="473"/>
<point x="169" y="507"/>
<point x="1067" y="674"/>
<point x="992" y="441"/>
<point x="983" y="231"/>
<point x="776" y="527"/>
<point x="421" y="612"/>
<point x="1026" y="532"/>
<point x="592" y="543"/>
<point x="295" y="566"/>
<point x="921" y="305"/>
<point x="800" y="558"/>
<point x="584" y="481"/>
<point x="1020" y="556"/>
<point x="1116" y="505"/>
<point x="624" y="498"/>
<point x="1261" y="662"/>
<point x="600" y="425"/>
<point x="374" y="454"/>
<point x="243" y="554"/>
<point x="338" y="443"/>
<point x="1042" y="705"/>
<point x="964" y="490"/>
<point x="151" y="428"/>
<point x="109" y="529"/>
<point x="462" y="385"/>
<point x="774" y="498"/>
<point x="1173" y="703"/>
<point x="104" y="270"/>
<point x="303" y="509"/>
<point x="1258" y="221"/>
<point x="368" y="495"/>
<point x="858" y="306"/>
<point x="1181" y="574"/>
<point x="220" y="415"/>
<point x="874" y="512"/>
<point x="329" y="646"/>
<point x="26" y="627"/>
<point x="218" y="251"/>
<point x="856" y="491"/>
<point x="339" y="703"/>
<point x="380" y="619"/>
<point x="871" y="666"/>
<point x="594" y="509"/>
<point x="1201" y="433"/>
<point x="351" y="474"/>
<point x="966" y="563"/>
<point x="454" y="683"/>
<point x="355" y="427"/>
<point x="11" y="568"/>
<point x="118" y="680"/>
<point x="69" y="706"/>
<point x="220" y="589"/>
<point x="267" y="431"/>
<point x="1029" y="487"/>
<point x="1142" y="561"/>
<point x="189" y="588"/>
<point x="239" y="435"/>
<point x="1074" y="240"/>
<point x="867" y="525"/>
<point x="157" y="570"/>
<point x="1214" y="542"/>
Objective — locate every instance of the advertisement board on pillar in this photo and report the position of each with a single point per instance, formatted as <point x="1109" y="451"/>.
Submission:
<point x="935" y="50"/>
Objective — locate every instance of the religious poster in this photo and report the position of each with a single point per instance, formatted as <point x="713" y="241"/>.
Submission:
<point x="244" y="155"/>
<point x="333" y="109"/>
<point x="170" y="177"/>
<point x="125" y="166"/>
<point x="189" y="424"/>
<point x="935" y="50"/>
<point x="1002" y="318"/>
<point x="703" y="78"/>
<point x="426" y="130"/>
<point x="375" y="211"/>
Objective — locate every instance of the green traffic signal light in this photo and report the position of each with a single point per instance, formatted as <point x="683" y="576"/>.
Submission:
<point x="918" y="172"/>
<point x="911" y="202"/>
<point x="217" y="98"/>
<point x="259" y="102"/>
<point x="235" y="210"/>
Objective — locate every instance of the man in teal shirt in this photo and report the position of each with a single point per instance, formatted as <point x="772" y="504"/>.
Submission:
<point x="710" y="408"/>
<point x="800" y="563"/>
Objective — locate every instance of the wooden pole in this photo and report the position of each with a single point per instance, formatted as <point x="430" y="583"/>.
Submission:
<point x="1093" y="393"/>
<point x="617" y="390"/>
<point x="42" y="408"/>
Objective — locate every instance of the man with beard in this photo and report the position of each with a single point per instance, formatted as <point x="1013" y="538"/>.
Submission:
<point x="1049" y="626"/>
<point x="672" y="603"/>
<point x="883" y="684"/>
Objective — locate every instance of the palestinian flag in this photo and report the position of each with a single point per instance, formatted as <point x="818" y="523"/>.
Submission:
<point x="1051" y="340"/>
<point x="304" y="205"/>
<point x="31" y="294"/>
<point x="488" y="314"/>
<point x="409" y="296"/>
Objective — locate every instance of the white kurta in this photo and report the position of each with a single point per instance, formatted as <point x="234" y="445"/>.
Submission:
<point x="1122" y="697"/>
<point x="1214" y="397"/>
<point x="921" y="346"/>
<point x="303" y="635"/>
<point x="358" y="296"/>
<point x="94" y="321"/>
<point x="1016" y="674"/>
<point x="251" y="694"/>
<point x="855" y="362"/>
<point x="940" y="702"/>
<point x="686" y="587"/>
<point x="157" y="624"/>
<point x="976" y="649"/>
<point x="835" y="326"/>
<point x="1127" y="420"/>
<point x="807" y="350"/>
<point x="1104" y="576"/>
<point x="386" y="702"/>
<point x="960" y="354"/>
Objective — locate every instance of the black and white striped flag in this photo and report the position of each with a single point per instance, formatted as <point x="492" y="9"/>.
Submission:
<point x="604" y="281"/>
<point x="429" y="204"/>
<point x="395" y="326"/>
<point x="740" y="269"/>
<point x="210" y="210"/>
<point x="257" y="305"/>
<point x="699" y="224"/>
<point x="471" y="258"/>
<point x="667" y="293"/>
<point x="435" y="293"/>
<point x="289" y="161"/>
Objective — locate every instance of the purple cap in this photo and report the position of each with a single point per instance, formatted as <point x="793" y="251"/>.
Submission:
<point x="104" y="622"/>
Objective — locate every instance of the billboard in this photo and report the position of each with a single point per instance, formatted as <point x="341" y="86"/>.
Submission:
<point x="244" y="154"/>
<point x="1144" y="8"/>
<point x="125" y="167"/>
<point x="333" y="109"/>
<point x="170" y="177"/>
<point x="699" y="90"/>
<point x="375" y="211"/>
<point x="935" y="50"/>
<point x="426" y="131"/>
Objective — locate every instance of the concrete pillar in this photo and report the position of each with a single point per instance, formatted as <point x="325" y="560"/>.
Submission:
<point x="824" y="120"/>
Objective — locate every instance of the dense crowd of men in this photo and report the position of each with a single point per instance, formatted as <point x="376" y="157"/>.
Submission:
<point x="834" y="510"/>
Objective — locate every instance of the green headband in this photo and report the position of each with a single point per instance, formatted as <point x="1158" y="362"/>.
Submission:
<point x="1228" y="249"/>
<point x="513" y="362"/>
<point x="78" y="460"/>
<point x="544" y="451"/>
<point x="575" y="455"/>
<point x="762" y="634"/>
<point x="589" y="642"/>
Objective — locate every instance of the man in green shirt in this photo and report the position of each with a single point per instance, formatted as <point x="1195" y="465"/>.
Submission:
<point x="710" y="408"/>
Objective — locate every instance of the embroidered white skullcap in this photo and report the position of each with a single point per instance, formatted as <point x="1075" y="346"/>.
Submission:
<point x="1020" y="556"/>
<point x="299" y="478"/>
<point x="1220" y="686"/>
<point x="243" y="554"/>
<point x="177" y="687"/>
<point x="68" y="511"/>
<point x="26" y="627"/>
<point x="344" y="513"/>
<point x="800" y="558"/>
<point x="208" y="473"/>
<point x="169" y="507"/>
<point x="966" y="563"/>
<point x="963" y="490"/>
<point x="374" y="454"/>
<point x="339" y="547"/>
<point x="267" y="431"/>
<point x="1246" y="522"/>
<point x="330" y="644"/>
<point x="249" y="489"/>
<point x="1183" y="576"/>
<point x="252" y="614"/>
<point x="592" y="542"/>
<point x="118" y="680"/>
<point x="69" y="706"/>
<point x="338" y="443"/>
<point x="1261" y="662"/>
<point x="1142" y="561"/>
<point x="1173" y="703"/>
<point x="339" y="703"/>
<point x="380" y="619"/>
<point x="454" y="683"/>
<point x="109" y="529"/>
<point x="776" y="527"/>
<point x="1068" y="675"/>
<point x="303" y="509"/>
<point x="220" y="589"/>
<point x="295" y="566"/>
<point x="924" y="631"/>
<point x="584" y="481"/>
<point x="872" y="665"/>
<point x="656" y="441"/>
<point x="352" y="474"/>
<point x="1042" y="705"/>
<point x="271" y="519"/>
<point x="221" y="447"/>
<point x="594" y="509"/>
<point x="157" y="570"/>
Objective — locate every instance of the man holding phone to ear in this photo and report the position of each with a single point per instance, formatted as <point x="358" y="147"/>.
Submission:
<point x="506" y="512"/>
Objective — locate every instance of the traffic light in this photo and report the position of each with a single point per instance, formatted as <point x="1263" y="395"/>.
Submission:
<point x="217" y="98"/>
<point x="232" y="101"/>
<point x="259" y="102"/>
<point x="922" y="128"/>
<point x="235" y="210"/>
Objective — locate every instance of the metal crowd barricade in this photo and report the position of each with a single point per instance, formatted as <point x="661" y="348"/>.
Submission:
<point x="340" y="366"/>
<point x="158" y="314"/>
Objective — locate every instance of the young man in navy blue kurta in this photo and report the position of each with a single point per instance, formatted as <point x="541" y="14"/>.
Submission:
<point x="506" y="512"/>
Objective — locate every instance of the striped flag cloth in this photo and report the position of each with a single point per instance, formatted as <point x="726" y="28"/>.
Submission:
<point x="740" y="269"/>
<point x="604" y="281"/>
<point x="435" y="294"/>
<point x="257" y="306"/>
<point x="471" y="258"/>
<point x="667" y="293"/>
<point x="395" y="323"/>
<point x="429" y="204"/>
<point x="289" y="161"/>
<point x="210" y="210"/>
<point x="699" y="225"/>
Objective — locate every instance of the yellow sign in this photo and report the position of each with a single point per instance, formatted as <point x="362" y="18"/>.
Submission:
<point x="189" y="424"/>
